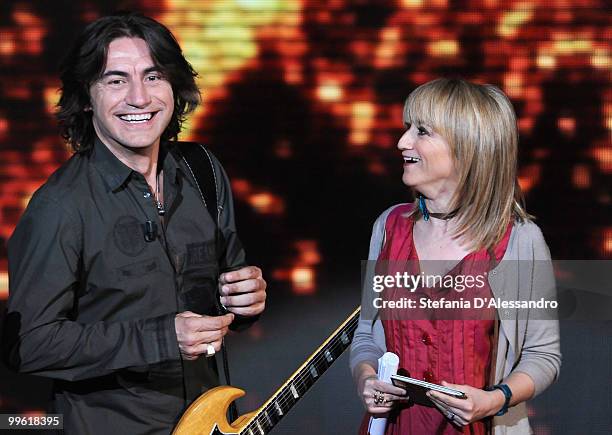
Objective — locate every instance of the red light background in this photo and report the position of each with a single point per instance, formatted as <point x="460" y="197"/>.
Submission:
<point x="302" y="102"/>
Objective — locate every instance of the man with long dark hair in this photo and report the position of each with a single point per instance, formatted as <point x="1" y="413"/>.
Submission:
<point x="123" y="283"/>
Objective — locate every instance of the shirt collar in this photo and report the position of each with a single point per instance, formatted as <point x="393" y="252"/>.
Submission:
<point x="116" y="173"/>
<point x="175" y="163"/>
<point x="113" y="171"/>
<point x="168" y="162"/>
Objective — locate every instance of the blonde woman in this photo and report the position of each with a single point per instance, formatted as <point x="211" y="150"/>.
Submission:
<point x="459" y="152"/>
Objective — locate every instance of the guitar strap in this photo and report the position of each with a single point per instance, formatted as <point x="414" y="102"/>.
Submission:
<point x="198" y="160"/>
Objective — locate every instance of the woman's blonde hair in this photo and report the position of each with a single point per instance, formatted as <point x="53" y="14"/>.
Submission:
<point x="479" y="124"/>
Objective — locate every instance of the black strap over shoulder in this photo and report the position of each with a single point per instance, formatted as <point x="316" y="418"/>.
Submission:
<point x="198" y="160"/>
<point x="200" y="164"/>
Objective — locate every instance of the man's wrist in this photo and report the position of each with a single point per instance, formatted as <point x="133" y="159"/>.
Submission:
<point x="160" y="331"/>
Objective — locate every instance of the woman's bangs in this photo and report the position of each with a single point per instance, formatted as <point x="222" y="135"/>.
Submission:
<point x="418" y="109"/>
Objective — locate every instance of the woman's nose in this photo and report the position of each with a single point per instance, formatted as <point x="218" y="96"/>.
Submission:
<point x="405" y="141"/>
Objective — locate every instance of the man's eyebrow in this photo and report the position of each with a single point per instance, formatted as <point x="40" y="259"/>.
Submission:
<point x="152" y="69"/>
<point x="114" y="73"/>
<point x="124" y="74"/>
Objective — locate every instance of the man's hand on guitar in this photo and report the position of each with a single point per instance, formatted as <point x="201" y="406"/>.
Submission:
<point x="196" y="333"/>
<point x="243" y="291"/>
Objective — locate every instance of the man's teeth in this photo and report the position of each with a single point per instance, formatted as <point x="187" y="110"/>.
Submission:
<point x="137" y="117"/>
<point x="412" y="159"/>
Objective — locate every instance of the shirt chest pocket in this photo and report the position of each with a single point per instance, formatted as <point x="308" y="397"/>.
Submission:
<point x="201" y="257"/>
<point x="137" y="269"/>
<point x="200" y="278"/>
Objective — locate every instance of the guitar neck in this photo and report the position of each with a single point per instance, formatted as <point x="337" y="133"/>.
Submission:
<point x="277" y="406"/>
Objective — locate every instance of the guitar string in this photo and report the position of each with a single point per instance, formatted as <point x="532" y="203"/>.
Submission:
<point x="264" y="422"/>
<point x="305" y="372"/>
<point x="300" y="377"/>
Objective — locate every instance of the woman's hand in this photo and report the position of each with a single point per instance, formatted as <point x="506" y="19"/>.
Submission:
<point x="378" y="397"/>
<point x="478" y="405"/>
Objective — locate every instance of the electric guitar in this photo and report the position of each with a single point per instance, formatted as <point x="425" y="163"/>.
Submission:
<point x="207" y="414"/>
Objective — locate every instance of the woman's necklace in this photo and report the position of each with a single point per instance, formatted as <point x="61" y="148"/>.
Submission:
<point x="444" y="216"/>
<point x="427" y="214"/>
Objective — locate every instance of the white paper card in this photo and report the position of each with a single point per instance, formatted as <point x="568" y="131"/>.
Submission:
<point x="387" y="366"/>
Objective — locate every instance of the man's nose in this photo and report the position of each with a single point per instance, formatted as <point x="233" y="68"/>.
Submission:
<point x="138" y="94"/>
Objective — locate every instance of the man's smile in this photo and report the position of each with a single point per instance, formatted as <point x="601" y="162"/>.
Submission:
<point x="137" y="118"/>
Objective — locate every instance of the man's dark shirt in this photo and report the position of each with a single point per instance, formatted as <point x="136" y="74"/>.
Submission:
<point x="92" y="304"/>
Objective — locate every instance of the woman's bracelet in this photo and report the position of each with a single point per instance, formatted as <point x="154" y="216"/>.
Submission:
<point x="505" y="389"/>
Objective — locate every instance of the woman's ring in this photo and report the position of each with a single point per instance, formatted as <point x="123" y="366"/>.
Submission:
<point x="379" y="397"/>
<point x="450" y="415"/>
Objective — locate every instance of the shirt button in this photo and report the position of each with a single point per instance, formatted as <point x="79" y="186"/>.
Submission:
<point x="146" y="194"/>
<point x="426" y="339"/>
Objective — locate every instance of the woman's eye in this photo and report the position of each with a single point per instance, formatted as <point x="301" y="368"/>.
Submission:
<point x="422" y="131"/>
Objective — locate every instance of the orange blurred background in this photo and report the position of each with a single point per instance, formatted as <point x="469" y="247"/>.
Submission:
<point x="302" y="102"/>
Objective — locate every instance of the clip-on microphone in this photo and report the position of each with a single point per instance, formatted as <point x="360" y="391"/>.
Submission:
<point x="150" y="231"/>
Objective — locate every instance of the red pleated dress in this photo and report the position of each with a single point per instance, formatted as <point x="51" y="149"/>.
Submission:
<point x="431" y="346"/>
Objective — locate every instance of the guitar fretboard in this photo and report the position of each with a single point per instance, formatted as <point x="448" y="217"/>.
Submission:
<point x="305" y="377"/>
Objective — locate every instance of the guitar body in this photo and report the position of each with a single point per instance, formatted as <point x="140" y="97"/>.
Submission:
<point x="207" y="415"/>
